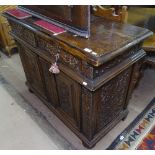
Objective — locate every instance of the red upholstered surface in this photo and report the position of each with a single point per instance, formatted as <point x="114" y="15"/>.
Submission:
<point x="48" y="26"/>
<point x="17" y="13"/>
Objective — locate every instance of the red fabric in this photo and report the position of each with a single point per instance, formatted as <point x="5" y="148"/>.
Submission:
<point x="48" y="26"/>
<point x="19" y="14"/>
<point x="148" y="143"/>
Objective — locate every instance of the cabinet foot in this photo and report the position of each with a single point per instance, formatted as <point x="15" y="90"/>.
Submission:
<point x="87" y="145"/>
<point x="124" y="118"/>
<point x="31" y="91"/>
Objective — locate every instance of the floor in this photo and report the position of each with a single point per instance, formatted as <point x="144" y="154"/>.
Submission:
<point x="24" y="127"/>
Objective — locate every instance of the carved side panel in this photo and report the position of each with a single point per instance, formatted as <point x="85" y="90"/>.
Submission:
<point x="110" y="99"/>
<point x="69" y="94"/>
<point x="31" y="67"/>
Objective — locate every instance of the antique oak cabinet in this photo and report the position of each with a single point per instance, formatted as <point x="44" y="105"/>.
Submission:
<point x="97" y="75"/>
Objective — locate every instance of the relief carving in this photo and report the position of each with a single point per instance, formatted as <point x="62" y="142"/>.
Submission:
<point x="87" y="70"/>
<point x="112" y="98"/>
<point x="70" y="60"/>
<point x="106" y="67"/>
<point x="23" y="33"/>
<point x="49" y="47"/>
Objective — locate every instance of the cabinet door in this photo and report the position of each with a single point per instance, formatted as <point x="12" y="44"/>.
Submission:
<point x="50" y="84"/>
<point x="32" y="70"/>
<point x="69" y="94"/>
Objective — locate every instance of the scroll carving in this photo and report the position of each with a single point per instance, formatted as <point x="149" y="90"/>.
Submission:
<point x="77" y="65"/>
<point x="87" y="70"/>
<point x="70" y="60"/>
<point x="106" y="67"/>
<point x="49" y="47"/>
<point x="111" y="98"/>
<point x="23" y="33"/>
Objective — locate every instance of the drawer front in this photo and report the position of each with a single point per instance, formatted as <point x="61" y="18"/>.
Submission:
<point x="52" y="47"/>
<point x="49" y="48"/>
<point x="111" y="98"/>
<point x="23" y="33"/>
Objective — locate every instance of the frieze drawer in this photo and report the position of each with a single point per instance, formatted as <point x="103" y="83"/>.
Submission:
<point x="23" y="33"/>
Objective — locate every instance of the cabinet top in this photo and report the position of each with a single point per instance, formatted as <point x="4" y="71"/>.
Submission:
<point x="108" y="39"/>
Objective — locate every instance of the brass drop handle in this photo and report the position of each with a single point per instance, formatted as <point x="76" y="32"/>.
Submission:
<point x="54" y="67"/>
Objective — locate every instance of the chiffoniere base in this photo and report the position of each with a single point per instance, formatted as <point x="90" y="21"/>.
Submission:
<point x="96" y="76"/>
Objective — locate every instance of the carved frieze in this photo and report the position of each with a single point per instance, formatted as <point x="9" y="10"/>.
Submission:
<point x="50" y="47"/>
<point x="70" y="60"/>
<point x="107" y="66"/>
<point x="23" y="33"/>
<point x="87" y="70"/>
<point x="79" y="66"/>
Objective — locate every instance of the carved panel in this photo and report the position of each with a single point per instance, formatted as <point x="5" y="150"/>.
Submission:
<point x="50" y="47"/>
<point x="87" y="70"/>
<point x="53" y="48"/>
<point x="31" y="67"/>
<point x="71" y="61"/>
<point x="111" y="97"/>
<point x="79" y="66"/>
<point x="69" y="98"/>
<point x="23" y="33"/>
<point x="66" y="58"/>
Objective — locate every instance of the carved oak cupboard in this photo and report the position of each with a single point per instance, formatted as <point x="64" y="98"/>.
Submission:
<point x="97" y="75"/>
